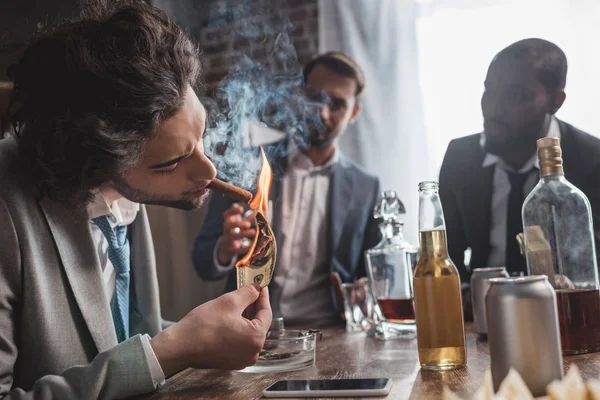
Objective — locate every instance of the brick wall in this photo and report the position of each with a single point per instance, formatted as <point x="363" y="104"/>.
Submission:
<point x="18" y="21"/>
<point x="211" y="22"/>
<point x="221" y="43"/>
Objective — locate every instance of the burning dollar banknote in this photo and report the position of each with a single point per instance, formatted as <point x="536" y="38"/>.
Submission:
<point x="258" y="264"/>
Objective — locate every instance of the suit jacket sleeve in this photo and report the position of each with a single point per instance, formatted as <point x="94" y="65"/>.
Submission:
<point x="116" y="373"/>
<point x="372" y="234"/>
<point x="206" y="241"/>
<point x="119" y="372"/>
<point x="455" y="233"/>
<point x="593" y="195"/>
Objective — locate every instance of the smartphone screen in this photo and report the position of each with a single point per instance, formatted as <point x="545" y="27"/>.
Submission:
<point x="328" y="384"/>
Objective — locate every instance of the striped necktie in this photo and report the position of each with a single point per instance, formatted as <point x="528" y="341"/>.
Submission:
<point x="118" y="254"/>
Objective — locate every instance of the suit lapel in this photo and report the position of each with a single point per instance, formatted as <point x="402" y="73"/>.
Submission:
<point x="71" y="232"/>
<point x="572" y="160"/>
<point x="340" y="201"/>
<point x="276" y="196"/>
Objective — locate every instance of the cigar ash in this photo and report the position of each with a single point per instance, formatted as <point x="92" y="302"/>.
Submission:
<point x="271" y="355"/>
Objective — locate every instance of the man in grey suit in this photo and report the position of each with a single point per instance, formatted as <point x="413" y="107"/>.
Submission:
<point x="105" y="118"/>
<point x="322" y="207"/>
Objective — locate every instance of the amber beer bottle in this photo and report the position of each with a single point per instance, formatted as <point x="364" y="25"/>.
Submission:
<point x="438" y="303"/>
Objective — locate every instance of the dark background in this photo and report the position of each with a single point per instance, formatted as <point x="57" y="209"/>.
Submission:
<point x="209" y="23"/>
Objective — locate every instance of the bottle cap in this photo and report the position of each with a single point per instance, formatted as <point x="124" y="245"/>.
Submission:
<point x="550" y="156"/>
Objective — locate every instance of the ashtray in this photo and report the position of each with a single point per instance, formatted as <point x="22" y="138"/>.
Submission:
<point x="286" y="350"/>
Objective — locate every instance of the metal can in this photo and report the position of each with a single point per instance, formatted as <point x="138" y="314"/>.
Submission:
<point x="479" y="287"/>
<point x="523" y="331"/>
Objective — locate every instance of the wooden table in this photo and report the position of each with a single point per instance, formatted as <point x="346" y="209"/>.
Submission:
<point x="354" y="355"/>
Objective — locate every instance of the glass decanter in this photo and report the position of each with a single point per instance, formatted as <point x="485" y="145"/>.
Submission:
<point x="390" y="268"/>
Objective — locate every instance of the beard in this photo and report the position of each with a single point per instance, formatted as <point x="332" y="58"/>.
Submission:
<point x="506" y="140"/>
<point x="143" y="197"/>
<point x="323" y="137"/>
<point x="319" y="141"/>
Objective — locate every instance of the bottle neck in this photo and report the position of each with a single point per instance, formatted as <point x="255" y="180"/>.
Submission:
<point x="432" y="228"/>
<point x="431" y="215"/>
<point x="549" y="171"/>
<point x="551" y="177"/>
<point x="550" y="156"/>
<point x="433" y="242"/>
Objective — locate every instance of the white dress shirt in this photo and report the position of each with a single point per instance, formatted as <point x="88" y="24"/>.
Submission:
<point x="301" y="293"/>
<point x="121" y="213"/>
<point x="302" y="284"/>
<point x="501" y="192"/>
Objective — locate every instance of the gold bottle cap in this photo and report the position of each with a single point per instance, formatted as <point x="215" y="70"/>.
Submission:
<point x="550" y="156"/>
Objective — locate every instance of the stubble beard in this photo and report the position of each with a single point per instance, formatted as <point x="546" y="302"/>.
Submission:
<point x="143" y="197"/>
<point x="526" y="138"/>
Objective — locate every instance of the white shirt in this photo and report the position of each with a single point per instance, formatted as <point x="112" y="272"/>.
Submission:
<point x="501" y="192"/>
<point x="122" y="213"/>
<point x="302" y="283"/>
<point x="301" y="293"/>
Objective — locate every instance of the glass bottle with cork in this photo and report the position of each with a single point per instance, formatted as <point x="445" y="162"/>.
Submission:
<point x="559" y="243"/>
<point x="438" y="300"/>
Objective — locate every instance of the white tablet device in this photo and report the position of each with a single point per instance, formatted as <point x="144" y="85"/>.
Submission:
<point x="330" y="388"/>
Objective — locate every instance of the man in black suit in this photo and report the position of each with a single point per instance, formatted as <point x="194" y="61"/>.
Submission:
<point x="322" y="208"/>
<point x="485" y="177"/>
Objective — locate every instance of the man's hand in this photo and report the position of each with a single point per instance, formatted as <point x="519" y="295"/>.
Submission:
<point x="336" y="284"/>
<point x="216" y="335"/>
<point x="235" y="229"/>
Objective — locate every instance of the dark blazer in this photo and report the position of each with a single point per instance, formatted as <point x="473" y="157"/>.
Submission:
<point x="466" y="191"/>
<point x="351" y="226"/>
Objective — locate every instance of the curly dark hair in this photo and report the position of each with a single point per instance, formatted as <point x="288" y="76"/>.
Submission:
<point x="90" y="91"/>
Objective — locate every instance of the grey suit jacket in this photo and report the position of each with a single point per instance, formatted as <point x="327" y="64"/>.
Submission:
<point x="352" y="229"/>
<point x="57" y="338"/>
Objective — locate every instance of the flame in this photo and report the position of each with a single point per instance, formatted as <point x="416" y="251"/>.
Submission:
<point x="259" y="203"/>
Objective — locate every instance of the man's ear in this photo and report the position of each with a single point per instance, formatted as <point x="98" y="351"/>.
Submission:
<point x="355" y="112"/>
<point x="557" y="101"/>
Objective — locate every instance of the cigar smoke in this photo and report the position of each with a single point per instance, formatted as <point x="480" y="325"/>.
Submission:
<point x="264" y="93"/>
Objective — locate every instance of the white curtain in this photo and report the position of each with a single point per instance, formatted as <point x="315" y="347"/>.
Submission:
<point x="388" y="138"/>
<point x="457" y="39"/>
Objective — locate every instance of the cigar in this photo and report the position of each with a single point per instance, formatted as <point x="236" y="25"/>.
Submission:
<point x="229" y="190"/>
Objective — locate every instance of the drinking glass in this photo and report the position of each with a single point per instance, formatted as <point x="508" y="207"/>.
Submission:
<point x="358" y="305"/>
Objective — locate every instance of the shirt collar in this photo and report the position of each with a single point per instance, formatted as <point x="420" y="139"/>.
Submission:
<point x="492" y="159"/>
<point x="122" y="212"/>
<point x="297" y="159"/>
